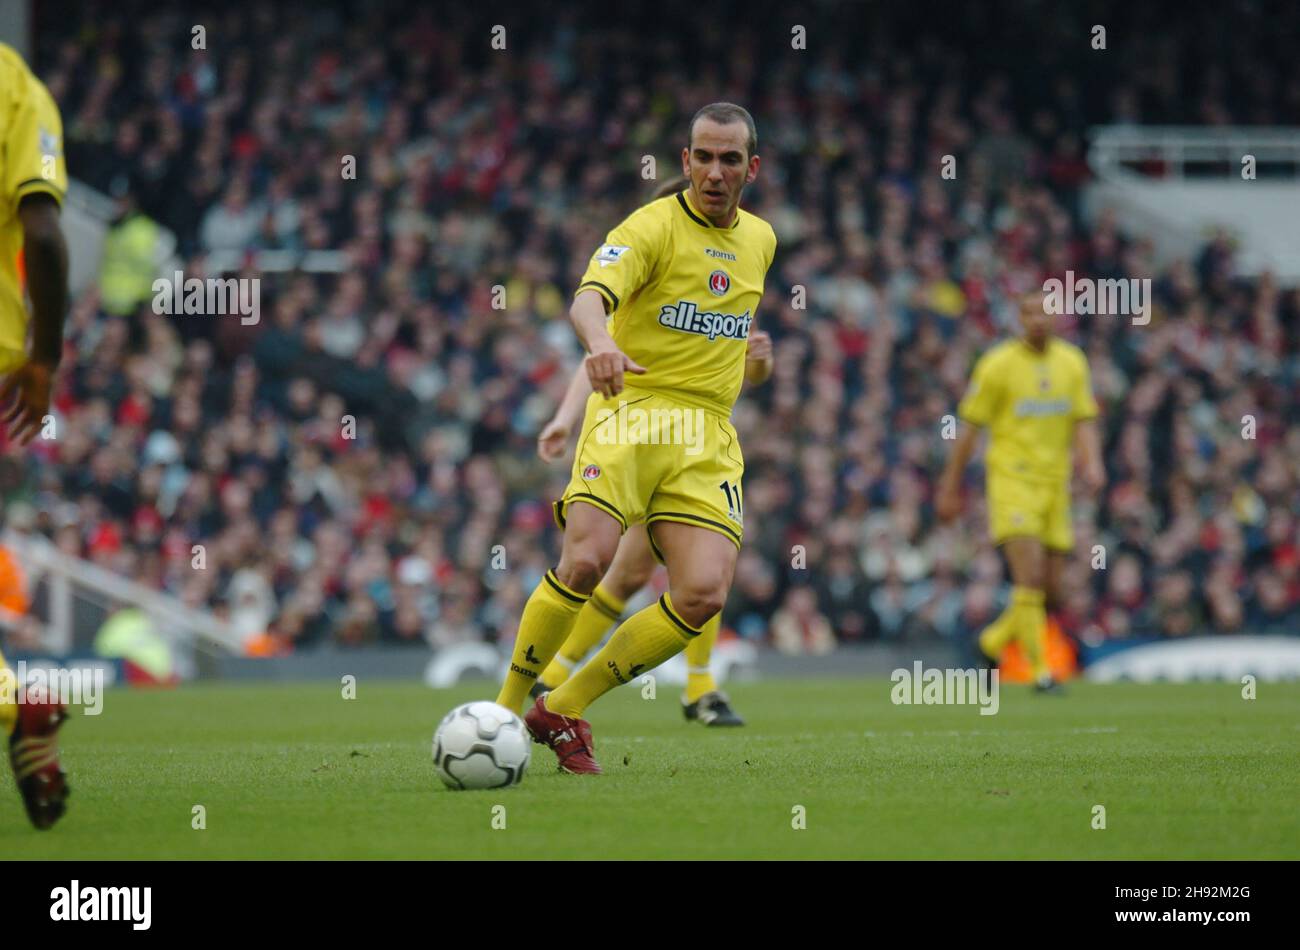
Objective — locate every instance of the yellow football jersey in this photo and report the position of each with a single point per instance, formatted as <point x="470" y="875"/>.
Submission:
<point x="1030" y="402"/>
<point x="682" y="295"/>
<point x="31" y="161"/>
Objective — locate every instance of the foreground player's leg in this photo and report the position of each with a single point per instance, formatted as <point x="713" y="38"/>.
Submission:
<point x="700" y="566"/>
<point x="703" y="702"/>
<point x="590" y="539"/>
<point x="601" y="612"/>
<point x="33" y="726"/>
<point x="643" y="641"/>
<point x="630" y="571"/>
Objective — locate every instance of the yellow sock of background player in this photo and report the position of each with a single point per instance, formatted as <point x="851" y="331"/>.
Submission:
<point x="548" y="617"/>
<point x="600" y="613"/>
<point x="698" y="653"/>
<point x="995" y="637"/>
<point x="8" y="697"/>
<point x="642" y="642"/>
<point x="1030" y="624"/>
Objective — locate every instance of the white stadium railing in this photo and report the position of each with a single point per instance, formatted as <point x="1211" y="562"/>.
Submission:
<point x="1114" y="150"/>
<point x="1181" y="186"/>
<point x="68" y="578"/>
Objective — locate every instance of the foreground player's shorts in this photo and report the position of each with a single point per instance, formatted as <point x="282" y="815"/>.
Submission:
<point x="1020" y="509"/>
<point x="645" y="457"/>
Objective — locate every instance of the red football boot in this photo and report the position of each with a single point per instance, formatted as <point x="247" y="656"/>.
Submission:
<point x="34" y="754"/>
<point x="570" y="739"/>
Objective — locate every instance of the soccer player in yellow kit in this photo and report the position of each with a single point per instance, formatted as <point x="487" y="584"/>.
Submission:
<point x="634" y="562"/>
<point x="681" y="278"/>
<point x="33" y="181"/>
<point x="1034" y="395"/>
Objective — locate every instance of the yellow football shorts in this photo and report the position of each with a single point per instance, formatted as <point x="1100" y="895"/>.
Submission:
<point x="646" y="457"/>
<point x="1020" y="509"/>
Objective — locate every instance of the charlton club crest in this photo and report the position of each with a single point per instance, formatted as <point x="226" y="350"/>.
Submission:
<point x="590" y="472"/>
<point x="719" y="282"/>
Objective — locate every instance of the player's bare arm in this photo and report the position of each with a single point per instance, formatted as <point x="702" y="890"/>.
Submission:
<point x="947" y="495"/>
<point x="606" y="363"/>
<point x="25" y="393"/>
<point x="555" y="434"/>
<point x="1087" y="448"/>
<point x="758" y="358"/>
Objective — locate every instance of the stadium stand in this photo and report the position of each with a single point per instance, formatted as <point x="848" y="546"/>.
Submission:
<point x="477" y="169"/>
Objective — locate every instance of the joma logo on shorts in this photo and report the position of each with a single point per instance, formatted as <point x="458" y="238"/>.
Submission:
<point x="688" y="318"/>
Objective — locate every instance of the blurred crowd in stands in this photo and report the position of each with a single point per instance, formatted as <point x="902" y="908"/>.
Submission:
<point x="360" y="467"/>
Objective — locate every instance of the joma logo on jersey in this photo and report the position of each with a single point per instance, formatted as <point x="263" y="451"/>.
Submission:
<point x="721" y="255"/>
<point x="688" y="318"/>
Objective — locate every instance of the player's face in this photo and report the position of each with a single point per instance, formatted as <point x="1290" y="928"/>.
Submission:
<point x="719" y="166"/>
<point x="1034" y="319"/>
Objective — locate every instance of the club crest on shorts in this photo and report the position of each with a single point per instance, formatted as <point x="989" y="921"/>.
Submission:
<point x="719" y="283"/>
<point x="590" y="472"/>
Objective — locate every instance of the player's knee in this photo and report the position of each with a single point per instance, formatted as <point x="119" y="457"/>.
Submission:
<point x="1051" y="598"/>
<point x="632" y="578"/>
<point x="582" y="571"/>
<point x="1028" y="575"/>
<point x="696" y="605"/>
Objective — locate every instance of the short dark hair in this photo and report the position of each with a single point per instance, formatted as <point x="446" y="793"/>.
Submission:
<point x="725" y="113"/>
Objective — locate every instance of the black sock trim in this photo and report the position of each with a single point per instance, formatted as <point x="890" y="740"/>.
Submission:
<point x="681" y="624"/>
<point x="563" y="591"/>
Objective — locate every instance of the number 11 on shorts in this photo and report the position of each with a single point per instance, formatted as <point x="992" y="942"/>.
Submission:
<point x="735" y="508"/>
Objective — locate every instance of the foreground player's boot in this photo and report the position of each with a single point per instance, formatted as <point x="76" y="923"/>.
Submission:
<point x="712" y="709"/>
<point x="570" y="739"/>
<point x="34" y="754"/>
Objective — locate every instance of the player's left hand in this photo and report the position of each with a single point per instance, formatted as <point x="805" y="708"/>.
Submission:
<point x="28" y="389"/>
<point x="760" y="346"/>
<point x="551" y="440"/>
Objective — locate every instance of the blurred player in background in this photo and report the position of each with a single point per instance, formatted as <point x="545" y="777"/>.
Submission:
<point x="1034" y="395"/>
<point x="634" y="563"/>
<point x="681" y="278"/>
<point x="34" y="180"/>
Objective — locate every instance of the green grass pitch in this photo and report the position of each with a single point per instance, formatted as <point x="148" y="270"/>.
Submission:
<point x="1183" y="771"/>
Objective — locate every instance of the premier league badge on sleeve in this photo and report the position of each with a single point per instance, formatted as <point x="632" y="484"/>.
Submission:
<point x="611" y="253"/>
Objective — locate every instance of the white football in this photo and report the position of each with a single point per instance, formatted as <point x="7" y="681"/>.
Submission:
<point x="481" y="745"/>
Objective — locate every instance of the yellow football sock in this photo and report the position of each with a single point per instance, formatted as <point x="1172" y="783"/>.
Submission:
<point x="995" y="637"/>
<point x="698" y="653"/>
<point x="1030" y="624"/>
<point x="8" y="697"/>
<point x="641" y="642"/>
<point x="594" y="619"/>
<point x="548" y="617"/>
